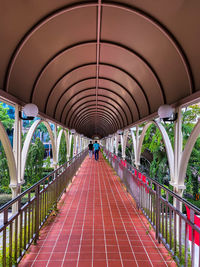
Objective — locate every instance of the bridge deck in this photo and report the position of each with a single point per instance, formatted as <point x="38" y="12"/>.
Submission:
<point x="97" y="225"/>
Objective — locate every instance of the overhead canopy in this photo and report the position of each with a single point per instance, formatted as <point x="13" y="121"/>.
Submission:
<point x="99" y="66"/>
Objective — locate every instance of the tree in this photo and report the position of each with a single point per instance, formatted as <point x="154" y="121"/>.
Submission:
<point x="72" y="146"/>
<point x="34" y="163"/>
<point x="153" y="142"/>
<point x="4" y="174"/>
<point x="4" y="118"/>
<point x="62" y="158"/>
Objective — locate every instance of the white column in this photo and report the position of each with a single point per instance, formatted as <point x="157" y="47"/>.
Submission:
<point x="116" y="143"/>
<point x="106" y="143"/>
<point x="68" y="142"/>
<point x="135" y="138"/>
<point x="74" y="146"/>
<point x="112" y="144"/>
<point x="17" y="148"/>
<point x="123" y="142"/>
<point x="55" y="161"/>
<point x="178" y="140"/>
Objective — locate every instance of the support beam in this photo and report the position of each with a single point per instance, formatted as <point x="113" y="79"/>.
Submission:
<point x="124" y="138"/>
<point x="17" y="144"/>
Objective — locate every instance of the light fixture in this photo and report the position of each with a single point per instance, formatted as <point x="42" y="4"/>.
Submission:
<point x="166" y="113"/>
<point x="72" y="131"/>
<point x="30" y="111"/>
<point x="120" y="132"/>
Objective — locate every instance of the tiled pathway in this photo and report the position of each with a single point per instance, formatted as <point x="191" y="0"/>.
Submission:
<point x="97" y="225"/>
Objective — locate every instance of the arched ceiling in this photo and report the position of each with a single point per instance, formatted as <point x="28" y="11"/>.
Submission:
<point x="99" y="66"/>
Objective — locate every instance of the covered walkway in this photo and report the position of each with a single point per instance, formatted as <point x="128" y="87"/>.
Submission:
<point x="97" y="225"/>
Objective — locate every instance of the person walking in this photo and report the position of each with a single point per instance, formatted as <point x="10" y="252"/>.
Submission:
<point x="96" y="150"/>
<point x="90" y="147"/>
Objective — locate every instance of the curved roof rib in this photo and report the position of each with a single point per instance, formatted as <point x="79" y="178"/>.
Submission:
<point x="106" y="65"/>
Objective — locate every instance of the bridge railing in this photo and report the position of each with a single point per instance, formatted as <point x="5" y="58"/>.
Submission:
<point x="179" y="232"/>
<point x="21" y="228"/>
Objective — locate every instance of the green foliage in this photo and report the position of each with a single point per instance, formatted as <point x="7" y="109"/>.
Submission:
<point x="4" y="118"/>
<point x="153" y="142"/>
<point x="72" y="145"/>
<point x="34" y="163"/>
<point x="4" y="174"/>
<point x="4" y="198"/>
<point x="47" y="162"/>
<point x="190" y="116"/>
<point x="62" y="158"/>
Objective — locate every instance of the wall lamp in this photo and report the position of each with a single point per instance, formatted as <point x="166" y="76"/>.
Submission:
<point x="120" y="132"/>
<point x="30" y="110"/>
<point x="72" y="131"/>
<point x="166" y="113"/>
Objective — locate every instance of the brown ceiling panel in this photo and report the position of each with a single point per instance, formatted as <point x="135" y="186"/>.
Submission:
<point x="91" y="131"/>
<point x="140" y="34"/>
<point x="56" y="33"/>
<point x="74" y="92"/>
<point x="67" y="112"/>
<point x="64" y="70"/>
<point x="145" y="79"/>
<point x="65" y="83"/>
<point x="181" y="22"/>
<point x="97" y="112"/>
<point x="120" y="100"/>
<point x="101" y="104"/>
<point x="101" y="109"/>
<point x="102" y="123"/>
<point x="121" y="92"/>
<point x="97" y="116"/>
<point x="17" y="19"/>
<point x="97" y="66"/>
<point x="128" y="82"/>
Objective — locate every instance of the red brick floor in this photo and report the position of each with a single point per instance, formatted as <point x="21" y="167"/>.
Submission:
<point x="97" y="225"/>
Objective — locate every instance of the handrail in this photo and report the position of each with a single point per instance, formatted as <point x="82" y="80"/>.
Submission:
<point x="10" y="203"/>
<point x="22" y="228"/>
<point x="162" y="207"/>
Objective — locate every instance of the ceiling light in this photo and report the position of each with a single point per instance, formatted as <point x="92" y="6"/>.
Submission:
<point x="72" y="131"/>
<point x="120" y="132"/>
<point x="166" y="113"/>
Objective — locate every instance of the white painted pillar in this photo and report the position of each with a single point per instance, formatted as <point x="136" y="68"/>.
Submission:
<point x="123" y="143"/>
<point x="78" y="144"/>
<point x="74" y="146"/>
<point x="17" y="148"/>
<point x="112" y="144"/>
<point x="55" y="161"/>
<point x="116" y="143"/>
<point x="106" y="143"/>
<point x="178" y="141"/>
<point x="68" y="143"/>
<point x="135" y="138"/>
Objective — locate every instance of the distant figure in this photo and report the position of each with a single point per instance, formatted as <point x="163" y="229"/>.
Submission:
<point x="96" y="150"/>
<point x="90" y="146"/>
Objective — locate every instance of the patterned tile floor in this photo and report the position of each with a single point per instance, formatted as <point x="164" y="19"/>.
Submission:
<point x="97" y="225"/>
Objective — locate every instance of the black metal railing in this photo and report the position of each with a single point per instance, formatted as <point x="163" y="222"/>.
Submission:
<point x="179" y="232"/>
<point x="21" y="227"/>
